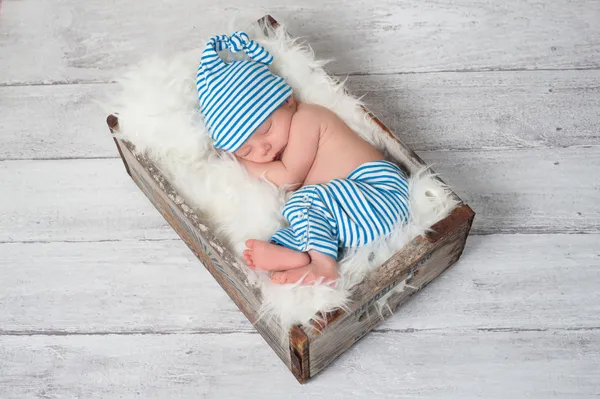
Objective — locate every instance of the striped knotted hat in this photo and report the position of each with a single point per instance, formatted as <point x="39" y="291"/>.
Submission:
<point x="237" y="97"/>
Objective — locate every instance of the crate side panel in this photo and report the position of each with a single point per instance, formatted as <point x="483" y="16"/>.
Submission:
<point x="198" y="238"/>
<point x="396" y="266"/>
<point x="409" y="255"/>
<point x="337" y="337"/>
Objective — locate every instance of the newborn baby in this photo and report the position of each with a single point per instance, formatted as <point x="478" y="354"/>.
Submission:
<point x="346" y="194"/>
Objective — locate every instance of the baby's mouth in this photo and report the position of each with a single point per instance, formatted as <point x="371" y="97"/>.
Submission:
<point x="278" y="155"/>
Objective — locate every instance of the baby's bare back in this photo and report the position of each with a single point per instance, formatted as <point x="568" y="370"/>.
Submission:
<point x="340" y="149"/>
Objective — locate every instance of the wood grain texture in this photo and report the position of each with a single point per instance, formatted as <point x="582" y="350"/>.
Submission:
<point x="49" y="122"/>
<point x="69" y="41"/>
<point x="534" y="191"/>
<point x="94" y="199"/>
<point x="111" y="287"/>
<point x="448" y="111"/>
<point x="514" y="282"/>
<point x="299" y="354"/>
<point x="75" y="200"/>
<point x="458" y="364"/>
<point x="486" y="110"/>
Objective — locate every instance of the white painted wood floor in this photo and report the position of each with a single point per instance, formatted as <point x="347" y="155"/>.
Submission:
<point x="98" y="297"/>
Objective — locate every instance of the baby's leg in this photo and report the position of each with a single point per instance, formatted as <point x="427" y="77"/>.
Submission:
<point x="266" y="256"/>
<point x="321" y="268"/>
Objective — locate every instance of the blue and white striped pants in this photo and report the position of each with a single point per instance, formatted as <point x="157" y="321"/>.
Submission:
<point x="349" y="212"/>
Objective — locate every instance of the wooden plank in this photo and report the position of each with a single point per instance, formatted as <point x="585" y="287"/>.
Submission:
<point x="75" y="200"/>
<point x="512" y="282"/>
<point x="47" y="122"/>
<point x="94" y="199"/>
<point x="485" y="110"/>
<point x="525" y="191"/>
<point x="501" y="282"/>
<point x="427" y="111"/>
<point x="105" y="287"/>
<point x="448" y="364"/>
<point x="70" y="42"/>
<point x="299" y="354"/>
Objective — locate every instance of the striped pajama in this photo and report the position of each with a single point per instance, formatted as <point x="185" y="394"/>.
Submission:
<point x="346" y="212"/>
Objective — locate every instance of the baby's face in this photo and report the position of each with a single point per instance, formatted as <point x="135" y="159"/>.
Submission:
<point x="269" y="140"/>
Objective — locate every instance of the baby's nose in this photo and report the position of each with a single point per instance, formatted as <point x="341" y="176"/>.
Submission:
<point x="266" y="148"/>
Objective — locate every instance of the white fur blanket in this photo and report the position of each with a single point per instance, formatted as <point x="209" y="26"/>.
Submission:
<point x="158" y="113"/>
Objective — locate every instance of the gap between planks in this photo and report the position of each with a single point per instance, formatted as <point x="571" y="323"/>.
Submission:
<point x="57" y="83"/>
<point x="246" y="332"/>
<point x="474" y="70"/>
<point x="516" y="231"/>
<point x="90" y="241"/>
<point x="462" y="150"/>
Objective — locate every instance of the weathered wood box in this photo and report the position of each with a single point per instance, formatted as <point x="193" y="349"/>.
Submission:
<point x="309" y="348"/>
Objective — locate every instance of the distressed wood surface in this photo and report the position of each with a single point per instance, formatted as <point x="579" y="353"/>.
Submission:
<point x="541" y="191"/>
<point x="219" y="260"/>
<point x="515" y="282"/>
<point x="456" y="364"/>
<point x="51" y="122"/>
<point x="385" y="289"/>
<point x="62" y="202"/>
<point x="68" y="41"/>
<point x="75" y="200"/>
<point x="491" y="110"/>
<point x="111" y="287"/>
<point x="442" y="111"/>
<point x="516" y="318"/>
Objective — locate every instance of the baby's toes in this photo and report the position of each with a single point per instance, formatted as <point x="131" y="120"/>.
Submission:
<point x="248" y="258"/>
<point x="250" y="243"/>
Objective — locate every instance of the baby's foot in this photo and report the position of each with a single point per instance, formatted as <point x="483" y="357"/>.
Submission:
<point x="266" y="256"/>
<point x="320" y="269"/>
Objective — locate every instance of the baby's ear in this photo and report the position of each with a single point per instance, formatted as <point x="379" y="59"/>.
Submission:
<point x="290" y="100"/>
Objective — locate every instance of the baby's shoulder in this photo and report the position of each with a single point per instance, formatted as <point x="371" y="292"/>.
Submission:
<point x="312" y="111"/>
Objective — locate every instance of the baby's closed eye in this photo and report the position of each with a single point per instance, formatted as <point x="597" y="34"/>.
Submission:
<point x="244" y="151"/>
<point x="265" y="128"/>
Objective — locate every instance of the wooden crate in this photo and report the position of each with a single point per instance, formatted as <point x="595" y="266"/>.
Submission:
<point x="309" y="348"/>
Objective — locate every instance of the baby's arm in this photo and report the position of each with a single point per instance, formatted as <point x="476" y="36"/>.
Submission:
<point x="299" y="155"/>
<point x="276" y="169"/>
<point x="303" y="142"/>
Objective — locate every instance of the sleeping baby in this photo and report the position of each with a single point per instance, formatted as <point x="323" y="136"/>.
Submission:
<point x="345" y="193"/>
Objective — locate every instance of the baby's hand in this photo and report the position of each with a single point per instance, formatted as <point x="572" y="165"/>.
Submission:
<point x="275" y="172"/>
<point x="254" y="168"/>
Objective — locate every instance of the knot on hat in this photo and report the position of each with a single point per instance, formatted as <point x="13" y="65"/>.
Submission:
<point x="239" y="41"/>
